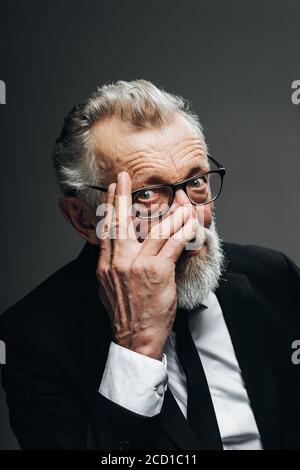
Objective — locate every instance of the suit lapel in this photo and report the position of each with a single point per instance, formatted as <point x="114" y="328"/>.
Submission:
<point x="175" y="425"/>
<point x="244" y="318"/>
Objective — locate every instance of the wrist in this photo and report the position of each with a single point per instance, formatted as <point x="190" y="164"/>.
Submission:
<point x="149" y="348"/>
<point x="149" y="351"/>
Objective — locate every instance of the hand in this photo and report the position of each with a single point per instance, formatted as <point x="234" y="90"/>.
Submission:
<point x="137" y="280"/>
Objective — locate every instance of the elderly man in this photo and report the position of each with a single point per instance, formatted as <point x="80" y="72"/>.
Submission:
<point x="157" y="336"/>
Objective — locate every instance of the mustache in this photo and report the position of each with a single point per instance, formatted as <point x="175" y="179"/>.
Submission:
<point x="202" y="237"/>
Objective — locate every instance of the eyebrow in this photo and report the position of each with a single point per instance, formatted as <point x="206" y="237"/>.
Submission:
<point x="157" y="179"/>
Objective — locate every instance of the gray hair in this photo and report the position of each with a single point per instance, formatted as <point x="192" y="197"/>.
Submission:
<point x="139" y="102"/>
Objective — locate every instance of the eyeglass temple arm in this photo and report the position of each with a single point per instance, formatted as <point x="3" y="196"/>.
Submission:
<point x="100" y="188"/>
<point x="215" y="161"/>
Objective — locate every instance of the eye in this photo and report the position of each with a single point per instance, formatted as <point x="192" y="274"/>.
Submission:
<point x="146" y="194"/>
<point x="198" y="182"/>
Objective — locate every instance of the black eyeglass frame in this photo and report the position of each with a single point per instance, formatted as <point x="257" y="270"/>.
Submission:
<point x="180" y="185"/>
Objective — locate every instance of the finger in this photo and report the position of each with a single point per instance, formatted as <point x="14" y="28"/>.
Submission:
<point x="161" y="232"/>
<point x="173" y="248"/>
<point x="104" y="227"/>
<point x="123" y="201"/>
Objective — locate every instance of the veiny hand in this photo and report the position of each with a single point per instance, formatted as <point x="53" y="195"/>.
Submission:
<point x="137" y="280"/>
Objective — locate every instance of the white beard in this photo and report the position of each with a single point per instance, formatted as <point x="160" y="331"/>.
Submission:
<point x="198" y="275"/>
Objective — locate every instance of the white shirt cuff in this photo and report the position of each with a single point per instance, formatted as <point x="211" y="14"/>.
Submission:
<point x="134" y="381"/>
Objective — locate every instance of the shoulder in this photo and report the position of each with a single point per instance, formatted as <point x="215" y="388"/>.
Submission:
<point x="58" y="321"/>
<point x="249" y="256"/>
<point x="53" y="303"/>
<point x="260" y="263"/>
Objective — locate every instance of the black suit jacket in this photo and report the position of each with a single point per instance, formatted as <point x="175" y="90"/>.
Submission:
<point x="57" y="341"/>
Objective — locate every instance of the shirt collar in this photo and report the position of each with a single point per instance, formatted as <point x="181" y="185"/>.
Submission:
<point x="204" y="302"/>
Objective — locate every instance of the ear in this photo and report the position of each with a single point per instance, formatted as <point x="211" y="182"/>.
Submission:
<point x="77" y="212"/>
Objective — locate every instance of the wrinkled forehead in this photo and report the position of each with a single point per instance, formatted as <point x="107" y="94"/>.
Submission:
<point x="160" y="150"/>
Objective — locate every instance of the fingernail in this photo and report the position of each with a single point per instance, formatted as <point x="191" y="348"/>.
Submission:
<point x="112" y="187"/>
<point x="122" y="176"/>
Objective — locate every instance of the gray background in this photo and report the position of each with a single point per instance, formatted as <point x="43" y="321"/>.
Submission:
<point x="235" y="61"/>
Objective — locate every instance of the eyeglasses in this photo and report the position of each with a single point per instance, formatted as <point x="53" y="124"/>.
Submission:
<point x="154" y="201"/>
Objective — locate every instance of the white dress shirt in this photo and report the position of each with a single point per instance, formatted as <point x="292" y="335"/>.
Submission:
<point x="138" y="382"/>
